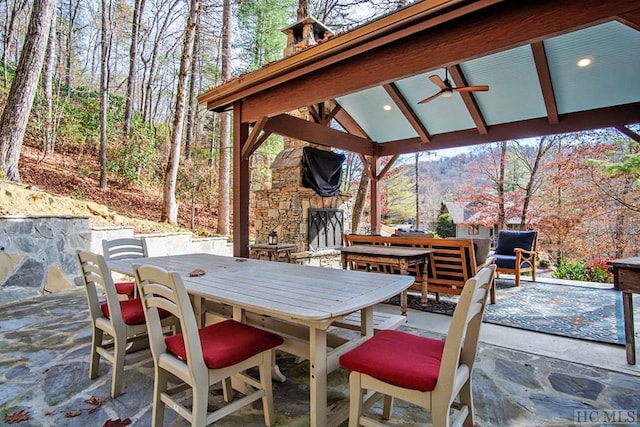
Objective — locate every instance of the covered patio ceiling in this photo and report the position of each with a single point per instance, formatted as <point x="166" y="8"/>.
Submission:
<point x="526" y="51"/>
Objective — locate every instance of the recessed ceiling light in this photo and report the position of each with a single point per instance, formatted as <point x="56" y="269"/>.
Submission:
<point x="584" y="62"/>
<point x="386" y="107"/>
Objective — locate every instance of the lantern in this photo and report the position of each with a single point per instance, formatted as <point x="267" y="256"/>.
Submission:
<point x="273" y="238"/>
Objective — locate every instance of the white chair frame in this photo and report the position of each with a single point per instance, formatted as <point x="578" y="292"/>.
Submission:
<point x="161" y="289"/>
<point x="454" y="378"/>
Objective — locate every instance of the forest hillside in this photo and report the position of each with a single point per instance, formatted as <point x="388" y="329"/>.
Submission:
<point x="55" y="186"/>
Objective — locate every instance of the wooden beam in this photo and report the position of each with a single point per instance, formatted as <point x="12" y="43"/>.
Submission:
<point x="631" y="19"/>
<point x="241" y="185"/>
<point x="407" y="111"/>
<point x="374" y="203"/>
<point x="546" y="86"/>
<point x="314" y="113"/>
<point x="366" y="165"/>
<point x="468" y="99"/>
<point x="493" y="29"/>
<point x="387" y="167"/>
<point x="335" y="110"/>
<point x="573" y="122"/>
<point x="349" y="124"/>
<point x="391" y="27"/>
<point x="294" y="127"/>
<point x="628" y="132"/>
<point x="253" y="141"/>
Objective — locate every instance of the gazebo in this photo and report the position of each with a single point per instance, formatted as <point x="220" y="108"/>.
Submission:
<point x="550" y="66"/>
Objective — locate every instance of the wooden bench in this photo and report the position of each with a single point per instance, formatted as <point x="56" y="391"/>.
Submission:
<point x="451" y="263"/>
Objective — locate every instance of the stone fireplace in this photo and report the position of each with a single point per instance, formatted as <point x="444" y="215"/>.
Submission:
<point x="288" y="208"/>
<point x="287" y="205"/>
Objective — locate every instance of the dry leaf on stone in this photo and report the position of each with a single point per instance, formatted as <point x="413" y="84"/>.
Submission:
<point x="16" y="417"/>
<point x="71" y="414"/>
<point x="95" y="401"/>
<point x="117" y="423"/>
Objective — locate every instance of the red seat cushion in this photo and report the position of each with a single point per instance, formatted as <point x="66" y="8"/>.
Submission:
<point x="226" y="343"/>
<point x="398" y="358"/>
<point x="132" y="311"/>
<point x="126" y="288"/>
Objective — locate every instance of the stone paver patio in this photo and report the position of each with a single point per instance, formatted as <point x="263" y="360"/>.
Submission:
<point x="44" y="347"/>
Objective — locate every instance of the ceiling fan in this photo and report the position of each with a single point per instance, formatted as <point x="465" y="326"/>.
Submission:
<point x="446" y="89"/>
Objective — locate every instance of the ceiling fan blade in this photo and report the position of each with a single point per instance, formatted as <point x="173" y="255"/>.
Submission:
<point x="437" y="80"/>
<point x="432" y="97"/>
<point x="482" y="88"/>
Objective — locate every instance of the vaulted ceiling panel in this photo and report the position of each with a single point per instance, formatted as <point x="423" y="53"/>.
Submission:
<point x="440" y="115"/>
<point x="610" y="79"/>
<point x="512" y="79"/>
<point x="368" y="109"/>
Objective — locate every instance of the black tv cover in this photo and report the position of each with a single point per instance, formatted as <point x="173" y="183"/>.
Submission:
<point x="322" y="171"/>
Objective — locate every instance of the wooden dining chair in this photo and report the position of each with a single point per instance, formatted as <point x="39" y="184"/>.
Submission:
<point x="202" y="357"/>
<point x="423" y="371"/>
<point x="116" y="323"/>
<point x="125" y="248"/>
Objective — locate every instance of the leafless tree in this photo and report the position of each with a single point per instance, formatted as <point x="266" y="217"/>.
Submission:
<point x="170" y="205"/>
<point x="133" y="65"/>
<point x="532" y="185"/>
<point x="104" y="88"/>
<point x="47" y="88"/>
<point x="12" y="10"/>
<point x="15" y="116"/>
<point x="224" y="165"/>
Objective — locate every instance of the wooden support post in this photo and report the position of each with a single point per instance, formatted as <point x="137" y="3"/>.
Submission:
<point x="241" y="185"/>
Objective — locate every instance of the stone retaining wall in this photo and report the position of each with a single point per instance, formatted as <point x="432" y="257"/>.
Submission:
<point x="38" y="253"/>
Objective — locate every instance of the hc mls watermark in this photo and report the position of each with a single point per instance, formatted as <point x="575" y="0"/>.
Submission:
<point x="608" y="416"/>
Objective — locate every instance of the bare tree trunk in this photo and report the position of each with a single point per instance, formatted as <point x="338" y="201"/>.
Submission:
<point x="416" y="224"/>
<point x="500" y="185"/>
<point x="11" y="14"/>
<point x="20" y="100"/>
<point x="170" y="205"/>
<point x="104" y="89"/>
<point x="133" y="63"/>
<point x="224" y="164"/>
<point x="193" y="105"/>
<point x="73" y="14"/>
<point x="544" y="145"/>
<point x="47" y="83"/>
<point x="361" y="197"/>
<point x="153" y="73"/>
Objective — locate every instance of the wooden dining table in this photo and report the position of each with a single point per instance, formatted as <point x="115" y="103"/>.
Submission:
<point x="299" y="302"/>
<point x="626" y="278"/>
<point x="392" y="259"/>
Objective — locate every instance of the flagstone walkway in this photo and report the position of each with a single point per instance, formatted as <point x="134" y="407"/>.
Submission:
<point x="44" y="347"/>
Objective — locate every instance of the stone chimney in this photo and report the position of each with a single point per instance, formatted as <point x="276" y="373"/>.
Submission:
<point x="305" y="33"/>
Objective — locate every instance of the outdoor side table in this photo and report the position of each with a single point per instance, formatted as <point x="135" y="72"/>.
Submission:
<point x="272" y="252"/>
<point x="626" y="278"/>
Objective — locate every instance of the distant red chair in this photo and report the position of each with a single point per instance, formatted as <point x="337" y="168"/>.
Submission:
<point x="126" y="248"/>
<point x="427" y="372"/>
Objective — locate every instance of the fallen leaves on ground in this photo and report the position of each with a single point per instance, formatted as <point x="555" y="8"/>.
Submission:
<point x="71" y="414"/>
<point x="117" y="423"/>
<point x="16" y="417"/>
<point x="95" y="401"/>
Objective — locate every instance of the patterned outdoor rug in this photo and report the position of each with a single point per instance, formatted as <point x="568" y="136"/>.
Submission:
<point x="571" y="311"/>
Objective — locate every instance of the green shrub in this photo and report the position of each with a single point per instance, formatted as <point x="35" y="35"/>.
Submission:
<point x="445" y="226"/>
<point x="592" y="271"/>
